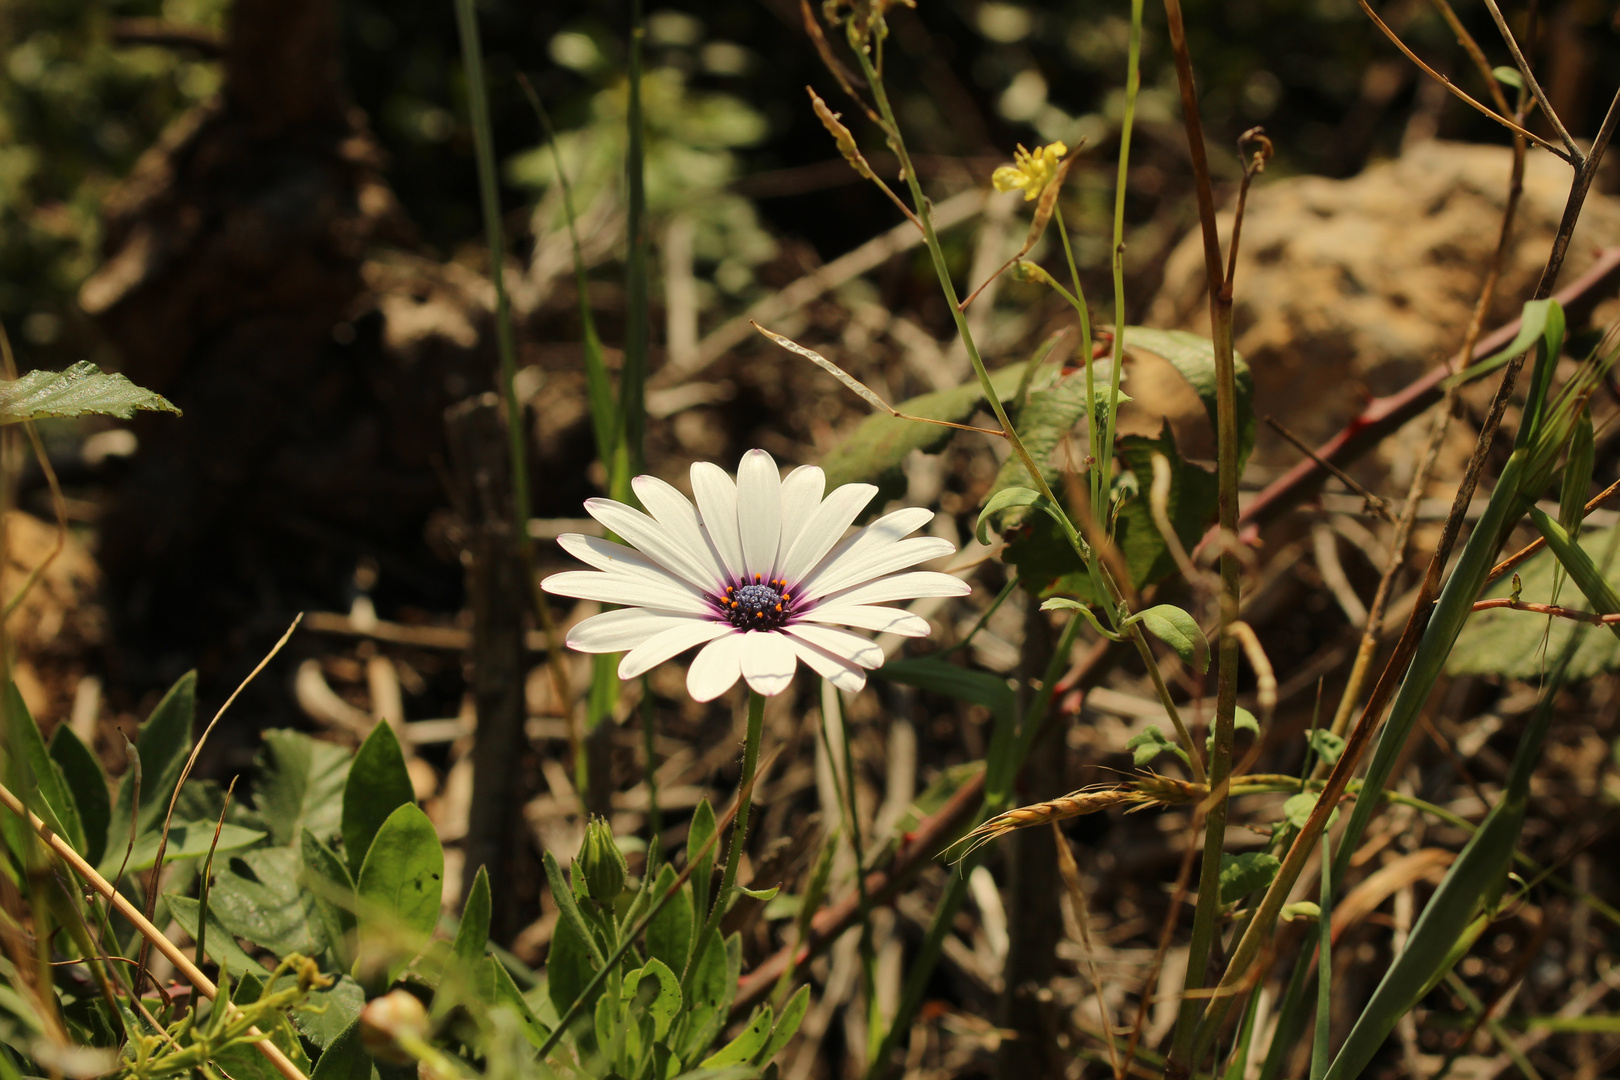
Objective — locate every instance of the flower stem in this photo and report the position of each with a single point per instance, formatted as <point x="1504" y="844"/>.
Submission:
<point x="739" y="830"/>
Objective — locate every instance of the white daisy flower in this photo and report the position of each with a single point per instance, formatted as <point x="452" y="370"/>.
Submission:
<point x="760" y="574"/>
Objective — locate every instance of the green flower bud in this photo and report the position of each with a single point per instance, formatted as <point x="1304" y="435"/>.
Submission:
<point x="602" y="863"/>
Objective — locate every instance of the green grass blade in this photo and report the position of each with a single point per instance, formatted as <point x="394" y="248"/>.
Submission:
<point x="598" y="384"/>
<point x="1580" y="567"/>
<point x="633" y="376"/>
<point x="1451" y="612"/>
<point x="1448" y="924"/>
<point x="1324" y="969"/>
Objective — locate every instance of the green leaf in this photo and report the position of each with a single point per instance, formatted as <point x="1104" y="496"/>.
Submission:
<point x="1601" y="595"/>
<point x="472" y="936"/>
<point x="1326" y="745"/>
<point x="1194" y="357"/>
<point x="1178" y="630"/>
<point x="1046" y="560"/>
<point x="786" y="1026"/>
<point x="81" y="389"/>
<point x="1300" y="909"/>
<point x="256" y="895"/>
<point x="669" y="934"/>
<point x="701" y="877"/>
<point x="875" y="449"/>
<point x="378" y="784"/>
<point x="569" y="965"/>
<point x="666" y="1004"/>
<point x="329" y="1012"/>
<point x="712" y="988"/>
<point x="749" y="1042"/>
<point x="163" y="743"/>
<point x="345" y="1059"/>
<point x="82" y="774"/>
<point x="222" y="947"/>
<point x="1047" y="416"/>
<point x="325" y="877"/>
<point x="1150" y="743"/>
<point x="1242" y="720"/>
<point x="939" y="676"/>
<point x="401" y="886"/>
<point x="187" y="840"/>
<point x="1245" y="873"/>
<point x="300" y="786"/>
<point x="44" y="788"/>
<point x="1532" y="326"/>
<point x="1506" y="644"/>
<point x="500" y="990"/>
<point x="1297" y="808"/>
<point x="1508" y="77"/>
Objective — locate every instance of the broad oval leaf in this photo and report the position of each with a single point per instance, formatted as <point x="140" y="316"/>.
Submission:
<point x="187" y="840"/>
<point x="1178" y="630"/>
<point x="401" y="886"/>
<point x="378" y="784"/>
<point x="1246" y="873"/>
<point x="79" y="390"/>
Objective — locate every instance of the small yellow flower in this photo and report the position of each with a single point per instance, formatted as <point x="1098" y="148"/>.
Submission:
<point x="1029" y="171"/>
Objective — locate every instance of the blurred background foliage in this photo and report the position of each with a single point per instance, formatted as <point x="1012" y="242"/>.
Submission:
<point x="86" y="90"/>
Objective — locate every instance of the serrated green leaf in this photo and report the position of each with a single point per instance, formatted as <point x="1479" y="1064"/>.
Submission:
<point x="1178" y="630"/>
<point x="80" y="390"/>
<point x="377" y="785"/>
<point x="82" y="774"/>
<point x="400" y="887"/>
<point x="300" y="785"/>
<point x="1246" y="873"/>
<point x="256" y="896"/>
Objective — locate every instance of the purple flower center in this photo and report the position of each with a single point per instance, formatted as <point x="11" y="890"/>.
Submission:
<point x="760" y="605"/>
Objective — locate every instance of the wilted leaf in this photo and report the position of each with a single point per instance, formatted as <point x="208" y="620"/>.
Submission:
<point x="81" y="389"/>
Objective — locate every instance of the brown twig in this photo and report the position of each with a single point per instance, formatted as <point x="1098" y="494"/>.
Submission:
<point x="1375" y="504"/>
<point x="1575" y="157"/>
<point x="1547" y="609"/>
<point x="1255" y="164"/>
<point x="1462" y="95"/>
<point x="1538" y="543"/>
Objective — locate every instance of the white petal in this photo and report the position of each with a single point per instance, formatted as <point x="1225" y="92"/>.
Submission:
<point x="835" y="669"/>
<point x="671" y="509"/>
<point x="868" y="563"/>
<point x="717" y="503"/>
<point x="886" y="530"/>
<point x="653" y="540"/>
<point x="670" y="642"/>
<point x="716" y="669"/>
<point x="631" y="591"/>
<point x="879" y="620"/>
<point x="863" y="651"/>
<point x="901" y="587"/>
<point x="616" y="631"/>
<point x="759" y="512"/>
<point x="824" y="528"/>
<point x="801" y="494"/>
<point x="623" y="561"/>
<point x="768" y="661"/>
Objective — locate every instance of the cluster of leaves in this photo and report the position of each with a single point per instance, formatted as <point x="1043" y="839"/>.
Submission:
<point x="323" y="894"/>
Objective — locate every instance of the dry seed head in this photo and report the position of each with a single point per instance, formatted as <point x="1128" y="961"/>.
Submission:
<point x="841" y="135"/>
<point x="1074" y="804"/>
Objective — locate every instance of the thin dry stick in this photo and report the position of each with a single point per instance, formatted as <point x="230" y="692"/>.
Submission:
<point x="1547" y="609"/>
<point x="1575" y="158"/>
<point x="1375" y="504"/>
<point x="1256" y="164"/>
<point x="1551" y="148"/>
<point x="150" y="933"/>
<point x="185" y="774"/>
<point x="1476" y="54"/>
<point x="1077" y="899"/>
<point x="861" y="389"/>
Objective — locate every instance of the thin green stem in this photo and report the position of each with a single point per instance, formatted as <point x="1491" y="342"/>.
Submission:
<point x="1133" y="83"/>
<point x="739" y="831"/>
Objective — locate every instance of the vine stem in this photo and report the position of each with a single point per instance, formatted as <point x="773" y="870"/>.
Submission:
<point x="169" y="949"/>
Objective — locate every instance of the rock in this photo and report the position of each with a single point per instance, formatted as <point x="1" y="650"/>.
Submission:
<point x="1357" y="286"/>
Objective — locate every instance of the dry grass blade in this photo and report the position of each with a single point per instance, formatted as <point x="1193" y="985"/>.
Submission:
<point x="174" y="800"/>
<point x="1077" y="898"/>
<point x="861" y="388"/>
<point x="149" y="933"/>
